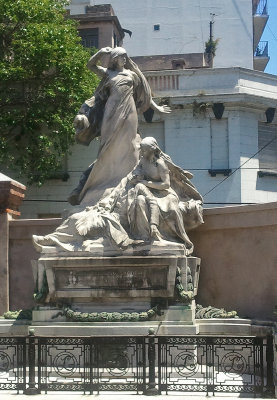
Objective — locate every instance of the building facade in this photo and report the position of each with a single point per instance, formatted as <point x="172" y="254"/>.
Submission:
<point x="223" y="124"/>
<point x="183" y="26"/>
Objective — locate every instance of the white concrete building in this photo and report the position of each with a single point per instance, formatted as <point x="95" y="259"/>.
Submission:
<point x="233" y="156"/>
<point x="182" y="26"/>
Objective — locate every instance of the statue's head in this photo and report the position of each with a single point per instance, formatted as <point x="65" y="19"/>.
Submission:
<point x="150" y="145"/>
<point x="118" y="58"/>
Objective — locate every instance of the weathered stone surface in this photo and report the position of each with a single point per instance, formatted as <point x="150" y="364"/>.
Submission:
<point x="134" y="204"/>
<point x="94" y="278"/>
<point x="133" y="193"/>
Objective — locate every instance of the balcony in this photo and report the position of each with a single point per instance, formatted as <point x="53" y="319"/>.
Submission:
<point x="262" y="8"/>
<point x="255" y="5"/>
<point x="260" y="19"/>
<point x="262" y="49"/>
<point x="261" y="57"/>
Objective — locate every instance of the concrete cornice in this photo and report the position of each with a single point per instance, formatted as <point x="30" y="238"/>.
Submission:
<point x="213" y="71"/>
<point x="88" y="18"/>
<point x="237" y="217"/>
<point x="227" y="85"/>
<point x="230" y="100"/>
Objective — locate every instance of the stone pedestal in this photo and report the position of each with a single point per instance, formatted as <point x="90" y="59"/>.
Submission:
<point x="108" y="280"/>
<point x="11" y="196"/>
<point x="117" y="285"/>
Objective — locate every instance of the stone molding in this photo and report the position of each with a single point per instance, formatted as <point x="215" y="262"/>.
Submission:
<point x="11" y="195"/>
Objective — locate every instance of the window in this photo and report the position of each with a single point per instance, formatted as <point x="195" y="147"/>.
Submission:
<point x="157" y="27"/>
<point x="267" y="156"/>
<point x="89" y="37"/>
<point x="219" y="147"/>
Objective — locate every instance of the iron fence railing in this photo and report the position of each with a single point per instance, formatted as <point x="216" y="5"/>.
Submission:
<point x="137" y="364"/>
<point x="262" y="49"/>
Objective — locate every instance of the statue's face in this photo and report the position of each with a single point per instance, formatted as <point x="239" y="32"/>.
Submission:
<point x="121" y="60"/>
<point x="146" y="150"/>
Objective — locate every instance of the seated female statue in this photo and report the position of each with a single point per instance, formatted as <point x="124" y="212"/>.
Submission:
<point x="155" y="209"/>
<point x="156" y="202"/>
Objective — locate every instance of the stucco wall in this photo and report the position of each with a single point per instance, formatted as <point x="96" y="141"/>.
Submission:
<point x="237" y="246"/>
<point x="184" y="27"/>
<point x="21" y="252"/>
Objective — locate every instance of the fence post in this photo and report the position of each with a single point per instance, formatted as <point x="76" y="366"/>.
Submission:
<point x="32" y="389"/>
<point x="151" y="389"/>
<point x="269" y="364"/>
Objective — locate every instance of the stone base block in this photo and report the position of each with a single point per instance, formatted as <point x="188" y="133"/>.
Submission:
<point x="180" y="313"/>
<point x="184" y="314"/>
<point x="108" y="279"/>
<point x="48" y="314"/>
<point x="11" y="327"/>
<point x="228" y="327"/>
<point x="113" y="329"/>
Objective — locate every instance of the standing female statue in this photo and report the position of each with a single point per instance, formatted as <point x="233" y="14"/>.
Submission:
<point x="112" y="114"/>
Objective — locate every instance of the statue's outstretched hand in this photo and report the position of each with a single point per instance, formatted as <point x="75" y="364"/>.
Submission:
<point x="164" y="109"/>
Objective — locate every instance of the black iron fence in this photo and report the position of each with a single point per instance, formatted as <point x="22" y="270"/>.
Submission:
<point x="137" y="364"/>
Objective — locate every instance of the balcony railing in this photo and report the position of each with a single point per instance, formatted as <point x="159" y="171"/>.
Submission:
<point x="164" y="82"/>
<point x="262" y="8"/>
<point x="262" y="49"/>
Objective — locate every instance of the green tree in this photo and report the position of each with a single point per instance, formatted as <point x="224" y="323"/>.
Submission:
<point x="44" y="80"/>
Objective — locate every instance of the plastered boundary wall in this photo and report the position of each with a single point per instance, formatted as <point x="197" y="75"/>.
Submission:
<point x="237" y="245"/>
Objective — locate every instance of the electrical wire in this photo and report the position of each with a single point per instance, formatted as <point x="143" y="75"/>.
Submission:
<point x="271" y="31"/>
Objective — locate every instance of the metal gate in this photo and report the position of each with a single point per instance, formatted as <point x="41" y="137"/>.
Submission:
<point x="137" y="364"/>
<point x="216" y="364"/>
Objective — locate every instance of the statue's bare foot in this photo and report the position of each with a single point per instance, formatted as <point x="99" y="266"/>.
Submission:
<point x="189" y="248"/>
<point x="154" y="232"/>
<point x="40" y="241"/>
<point x="127" y="243"/>
<point x="138" y="241"/>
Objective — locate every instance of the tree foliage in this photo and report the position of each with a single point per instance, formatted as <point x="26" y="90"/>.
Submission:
<point x="44" y="80"/>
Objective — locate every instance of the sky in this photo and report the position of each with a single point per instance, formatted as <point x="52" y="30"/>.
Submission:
<point x="270" y="34"/>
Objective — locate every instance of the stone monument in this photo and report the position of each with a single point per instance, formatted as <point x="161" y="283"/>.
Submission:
<point x="123" y="255"/>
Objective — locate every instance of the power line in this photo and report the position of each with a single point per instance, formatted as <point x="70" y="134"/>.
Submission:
<point x="271" y="31"/>
<point x="235" y="170"/>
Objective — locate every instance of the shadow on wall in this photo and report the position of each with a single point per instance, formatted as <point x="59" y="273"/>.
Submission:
<point x="267" y="183"/>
